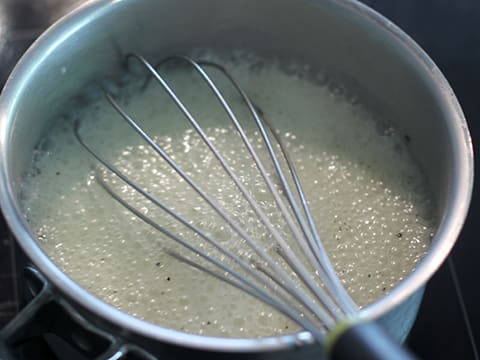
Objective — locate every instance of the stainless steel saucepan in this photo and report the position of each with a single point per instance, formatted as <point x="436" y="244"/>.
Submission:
<point x="342" y="37"/>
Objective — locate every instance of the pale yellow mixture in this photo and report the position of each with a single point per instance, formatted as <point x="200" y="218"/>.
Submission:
<point x="367" y="196"/>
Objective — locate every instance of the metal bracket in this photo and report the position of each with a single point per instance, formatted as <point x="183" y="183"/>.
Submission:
<point x="49" y="327"/>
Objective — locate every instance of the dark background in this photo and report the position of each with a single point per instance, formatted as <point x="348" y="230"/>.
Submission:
<point x="449" y="30"/>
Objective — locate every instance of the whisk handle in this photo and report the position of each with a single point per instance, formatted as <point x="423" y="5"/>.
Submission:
<point x="367" y="341"/>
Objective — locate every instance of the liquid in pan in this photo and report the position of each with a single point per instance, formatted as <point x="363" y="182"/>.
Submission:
<point x="367" y="195"/>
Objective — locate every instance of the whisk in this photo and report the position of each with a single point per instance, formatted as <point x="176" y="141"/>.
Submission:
<point x="316" y="300"/>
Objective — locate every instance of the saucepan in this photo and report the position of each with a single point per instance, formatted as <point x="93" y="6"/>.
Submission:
<point x="344" y="37"/>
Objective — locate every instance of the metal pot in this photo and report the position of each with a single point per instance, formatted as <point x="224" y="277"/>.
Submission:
<point x="344" y="37"/>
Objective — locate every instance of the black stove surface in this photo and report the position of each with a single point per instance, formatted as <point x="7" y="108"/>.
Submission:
<point x="450" y="33"/>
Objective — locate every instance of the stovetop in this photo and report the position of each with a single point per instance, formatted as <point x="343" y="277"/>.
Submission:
<point x="450" y="33"/>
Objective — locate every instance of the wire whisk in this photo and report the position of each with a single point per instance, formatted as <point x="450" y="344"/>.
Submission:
<point x="313" y="297"/>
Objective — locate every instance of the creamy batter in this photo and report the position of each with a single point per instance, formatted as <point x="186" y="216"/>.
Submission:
<point x="368" y="198"/>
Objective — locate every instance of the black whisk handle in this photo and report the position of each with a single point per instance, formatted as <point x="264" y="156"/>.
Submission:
<point x="367" y="341"/>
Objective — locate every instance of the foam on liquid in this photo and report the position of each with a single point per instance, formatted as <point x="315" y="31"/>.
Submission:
<point x="367" y="196"/>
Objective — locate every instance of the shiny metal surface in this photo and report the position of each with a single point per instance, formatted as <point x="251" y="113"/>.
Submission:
<point x="349" y="39"/>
